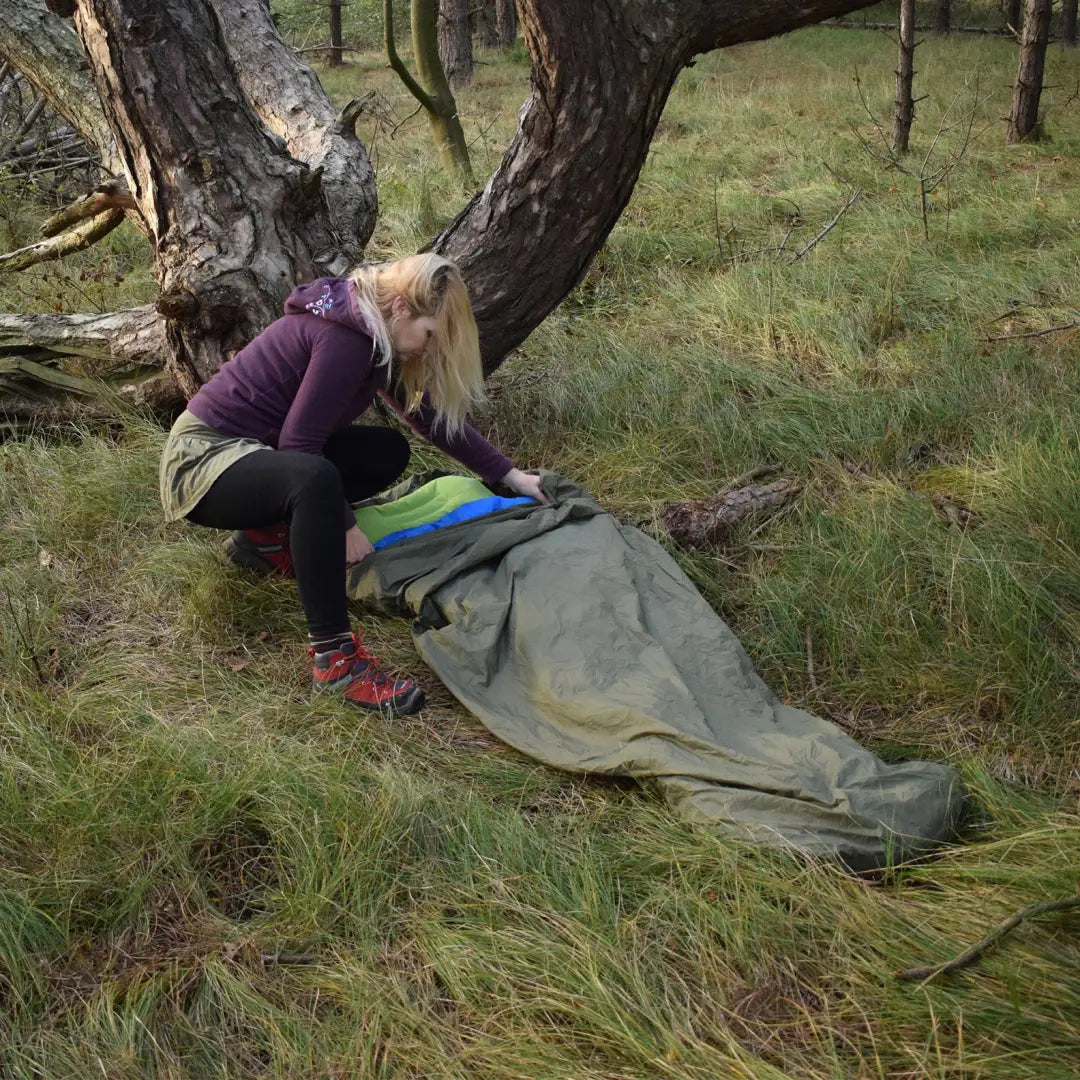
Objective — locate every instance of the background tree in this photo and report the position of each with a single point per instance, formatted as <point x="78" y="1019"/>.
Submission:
<point x="904" y="105"/>
<point x="455" y="42"/>
<point x="942" y="16"/>
<point x="247" y="180"/>
<point x="1024" y="116"/>
<point x="1014" y="13"/>
<point x="432" y="90"/>
<point x="486" y="23"/>
<point x="506" y="22"/>
<point x="1068" y="22"/>
<point x="335" y="58"/>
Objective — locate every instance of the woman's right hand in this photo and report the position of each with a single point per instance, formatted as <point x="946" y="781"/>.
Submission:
<point x="357" y="546"/>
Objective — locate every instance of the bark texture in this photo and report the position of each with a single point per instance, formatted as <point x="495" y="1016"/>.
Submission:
<point x="506" y="23"/>
<point x="1024" y="115"/>
<point x="704" y="523"/>
<point x="335" y="33"/>
<point x="135" y="337"/>
<point x="455" y="42"/>
<point x="288" y="99"/>
<point x="487" y="24"/>
<point x="904" y="105"/>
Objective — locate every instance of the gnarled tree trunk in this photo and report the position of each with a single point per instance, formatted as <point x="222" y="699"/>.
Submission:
<point x="247" y="182"/>
<point x="235" y="219"/>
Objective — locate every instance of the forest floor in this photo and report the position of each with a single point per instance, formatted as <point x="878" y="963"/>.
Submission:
<point x="203" y="873"/>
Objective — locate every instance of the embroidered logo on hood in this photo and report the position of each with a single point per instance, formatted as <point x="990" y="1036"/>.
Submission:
<point x="322" y="304"/>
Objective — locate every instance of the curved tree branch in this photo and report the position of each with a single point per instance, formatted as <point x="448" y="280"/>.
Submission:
<point x="398" y="65"/>
<point x="601" y="75"/>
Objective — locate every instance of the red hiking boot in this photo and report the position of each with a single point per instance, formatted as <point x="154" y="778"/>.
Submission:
<point x="354" y="671"/>
<point x="263" y="550"/>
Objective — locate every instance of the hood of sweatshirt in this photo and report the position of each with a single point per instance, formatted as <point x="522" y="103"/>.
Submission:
<point x="333" y="299"/>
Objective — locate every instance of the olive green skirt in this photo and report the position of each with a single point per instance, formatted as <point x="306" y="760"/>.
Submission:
<point x="195" y="455"/>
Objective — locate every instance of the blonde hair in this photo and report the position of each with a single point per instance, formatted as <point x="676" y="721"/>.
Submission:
<point x="449" y="368"/>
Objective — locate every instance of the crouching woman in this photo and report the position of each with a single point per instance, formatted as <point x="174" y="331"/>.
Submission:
<point x="268" y="446"/>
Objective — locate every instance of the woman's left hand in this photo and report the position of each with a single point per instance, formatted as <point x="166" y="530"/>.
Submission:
<point x="525" y="484"/>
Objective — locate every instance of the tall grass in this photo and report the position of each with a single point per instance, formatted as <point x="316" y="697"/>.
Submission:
<point x="205" y="874"/>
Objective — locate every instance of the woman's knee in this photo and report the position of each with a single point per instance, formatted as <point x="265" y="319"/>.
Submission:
<point x="313" y="478"/>
<point x="397" y="452"/>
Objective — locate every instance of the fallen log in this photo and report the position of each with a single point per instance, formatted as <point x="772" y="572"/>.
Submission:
<point x="704" y="523"/>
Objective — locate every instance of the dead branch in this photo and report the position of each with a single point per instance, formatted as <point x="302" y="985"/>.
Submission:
<point x="16" y="368"/>
<point x="759" y="472"/>
<point x="346" y="121"/>
<point x="703" y="523"/>
<point x="972" y="955"/>
<point x="31" y="119"/>
<point x="113" y="194"/>
<point x="131" y="338"/>
<point x="1074" y="325"/>
<point x="56" y="247"/>
<point x="811" y="676"/>
<point x="847" y="24"/>
<point x="828" y="228"/>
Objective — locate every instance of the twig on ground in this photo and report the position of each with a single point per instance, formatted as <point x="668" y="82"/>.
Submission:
<point x="810" y="675"/>
<point x="748" y="477"/>
<point x="326" y="48"/>
<point x="834" y="174"/>
<point x="970" y="956"/>
<point x="828" y="228"/>
<point x="1074" y="325"/>
<point x="266" y="959"/>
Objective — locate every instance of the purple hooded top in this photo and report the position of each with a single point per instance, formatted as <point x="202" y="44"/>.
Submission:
<point x="314" y="371"/>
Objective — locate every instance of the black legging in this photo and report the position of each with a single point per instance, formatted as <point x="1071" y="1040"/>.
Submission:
<point x="309" y="492"/>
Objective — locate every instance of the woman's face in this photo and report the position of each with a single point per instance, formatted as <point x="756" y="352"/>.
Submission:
<point x="409" y="333"/>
